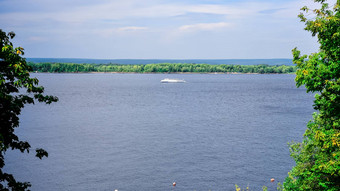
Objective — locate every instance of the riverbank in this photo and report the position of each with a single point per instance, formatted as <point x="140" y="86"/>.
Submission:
<point x="160" y="68"/>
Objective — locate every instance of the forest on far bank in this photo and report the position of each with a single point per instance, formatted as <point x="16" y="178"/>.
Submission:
<point x="160" y="68"/>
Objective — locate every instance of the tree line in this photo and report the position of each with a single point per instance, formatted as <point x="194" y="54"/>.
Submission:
<point x="159" y="68"/>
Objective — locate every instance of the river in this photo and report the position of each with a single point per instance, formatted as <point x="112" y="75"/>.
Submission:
<point x="131" y="132"/>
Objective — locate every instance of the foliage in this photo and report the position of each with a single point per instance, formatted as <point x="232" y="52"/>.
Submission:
<point x="14" y="80"/>
<point x="317" y="157"/>
<point x="160" y="68"/>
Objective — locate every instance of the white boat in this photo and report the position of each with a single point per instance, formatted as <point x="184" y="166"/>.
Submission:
<point x="168" y="80"/>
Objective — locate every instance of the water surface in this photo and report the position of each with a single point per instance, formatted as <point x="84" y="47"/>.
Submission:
<point x="131" y="132"/>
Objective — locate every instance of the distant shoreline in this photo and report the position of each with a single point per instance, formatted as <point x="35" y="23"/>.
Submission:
<point x="212" y="73"/>
<point x="179" y="68"/>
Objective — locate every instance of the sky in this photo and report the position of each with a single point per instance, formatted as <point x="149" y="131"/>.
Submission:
<point x="157" y="29"/>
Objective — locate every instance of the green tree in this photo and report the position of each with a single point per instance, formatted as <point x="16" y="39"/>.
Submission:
<point x="14" y="76"/>
<point x="317" y="157"/>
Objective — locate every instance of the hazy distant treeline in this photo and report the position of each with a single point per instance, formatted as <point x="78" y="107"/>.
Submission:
<point x="160" y="68"/>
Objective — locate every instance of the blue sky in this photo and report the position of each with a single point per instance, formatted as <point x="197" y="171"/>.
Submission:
<point x="157" y="29"/>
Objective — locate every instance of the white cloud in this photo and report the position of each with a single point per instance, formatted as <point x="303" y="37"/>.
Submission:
<point x="231" y="11"/>
<point x="120" y="10"/>
<point x="164" y="23"/>
<point x="204" y="27"/>
<point x="131" y="28"/>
